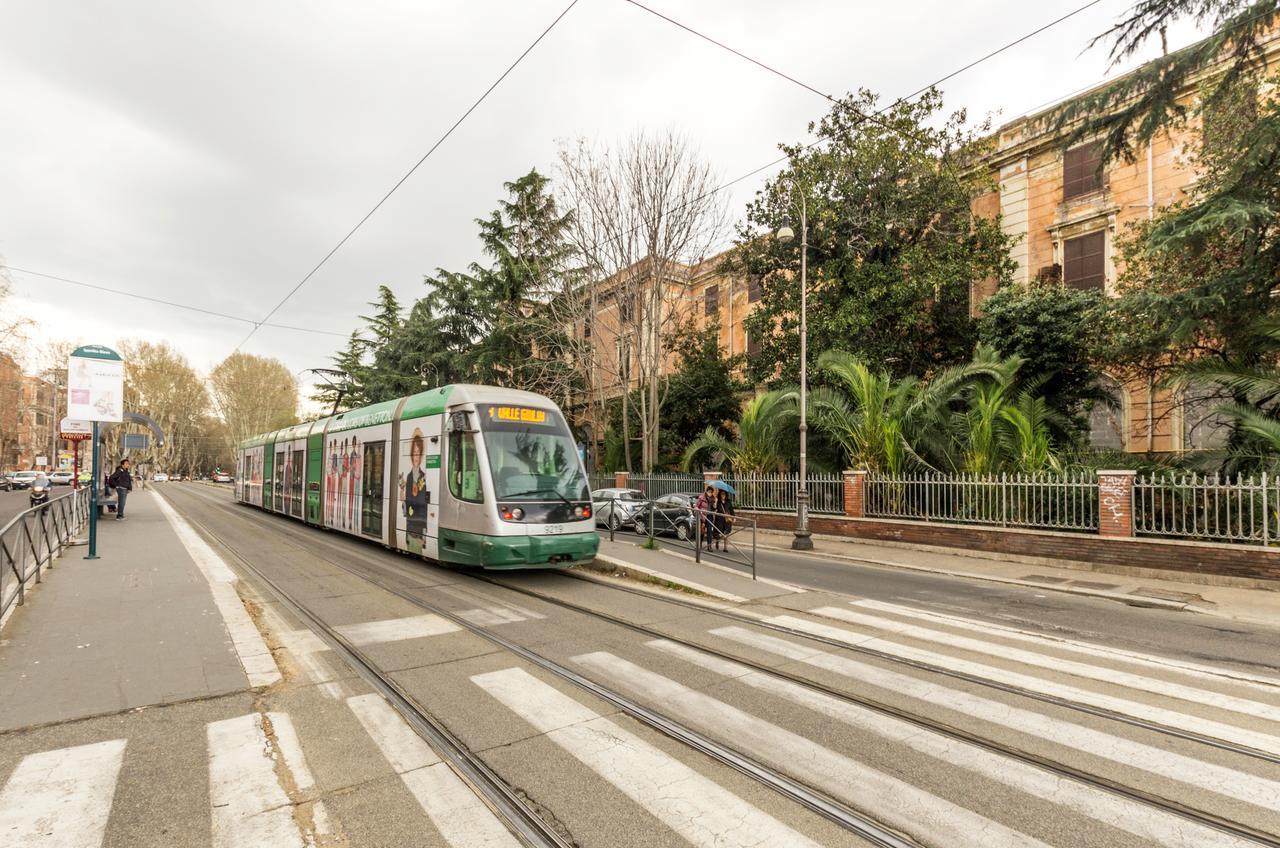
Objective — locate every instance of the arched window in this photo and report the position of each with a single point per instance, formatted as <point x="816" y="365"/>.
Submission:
<point x="1108" y="418"/>
<point x="1203" y="427"/>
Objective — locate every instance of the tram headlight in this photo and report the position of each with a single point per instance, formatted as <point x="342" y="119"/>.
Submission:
<point x="579" y="512"/>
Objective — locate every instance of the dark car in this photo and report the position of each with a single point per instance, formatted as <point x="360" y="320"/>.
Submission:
<point x="672" y="516"/>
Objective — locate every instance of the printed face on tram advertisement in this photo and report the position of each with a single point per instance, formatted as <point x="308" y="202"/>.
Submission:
<point x="414" y="496"/>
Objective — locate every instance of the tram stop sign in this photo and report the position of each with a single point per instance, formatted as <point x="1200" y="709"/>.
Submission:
<point x="75" y="430"/>
<point x="95" y="384"/>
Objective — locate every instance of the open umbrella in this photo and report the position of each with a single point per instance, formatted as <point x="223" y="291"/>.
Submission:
<point x="724" y="487"/>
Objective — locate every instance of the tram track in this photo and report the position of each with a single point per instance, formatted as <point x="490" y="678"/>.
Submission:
<point x="491" y="785"/>
<point x="379" y="569"/>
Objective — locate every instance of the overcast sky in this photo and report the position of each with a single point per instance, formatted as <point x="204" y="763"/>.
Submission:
<point x="213" y="152"/>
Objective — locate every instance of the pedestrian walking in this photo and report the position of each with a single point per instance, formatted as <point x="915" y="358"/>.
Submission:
<point x="122" y="481"/>
<point x="724" y="518"/>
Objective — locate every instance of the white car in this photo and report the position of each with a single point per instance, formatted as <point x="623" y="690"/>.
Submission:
<point x="61" y="478"/>
<point x="221" y="478"/>
<point x="161" y="477"/>
<point x="614" y="507"/>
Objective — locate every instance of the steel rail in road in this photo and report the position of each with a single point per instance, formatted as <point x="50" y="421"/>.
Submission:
<point x="820" y="803"/>
<point x="1102" y="783"/>
<point x="526" y="823"/>
<point x="948" y="730"/>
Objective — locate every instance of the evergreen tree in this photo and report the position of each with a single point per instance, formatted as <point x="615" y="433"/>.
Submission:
<point x="892" y="244"/>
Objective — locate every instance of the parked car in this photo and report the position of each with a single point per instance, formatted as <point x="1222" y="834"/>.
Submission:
<point x="6" y="482"/>
<point x="615" y="507"/>
<point x="61" y="478"/>
<point x="24" y="479"/>
<point x="160" y="477"/>
<point x="672" y="516"/>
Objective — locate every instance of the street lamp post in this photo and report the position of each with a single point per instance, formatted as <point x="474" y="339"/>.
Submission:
<point x="802" y="541"/>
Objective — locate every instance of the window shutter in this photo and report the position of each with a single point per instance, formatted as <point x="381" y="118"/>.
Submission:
<point x="753" y="344"/>
<point x="712" y="299"/>
<point x="1082" y="170"/>
<point x="1084" y="261"/>
<point x="755" y="290"/>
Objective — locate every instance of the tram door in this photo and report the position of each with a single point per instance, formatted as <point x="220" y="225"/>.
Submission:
<point x="373" y="490"/>
<point x="277" y="488"/>
<point x="464" y="511"/>
<point x="296" y="466"/>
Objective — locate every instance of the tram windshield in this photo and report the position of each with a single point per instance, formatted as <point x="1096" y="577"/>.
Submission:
<point x="531" y="454"/>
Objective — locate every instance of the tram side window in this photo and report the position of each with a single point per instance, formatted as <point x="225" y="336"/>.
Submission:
<point x="372" y="491"/>
<point x="464" y="467"/>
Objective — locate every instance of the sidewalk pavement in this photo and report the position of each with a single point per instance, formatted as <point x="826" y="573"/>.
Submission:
<point x="679" y="569"/>
<point x="146" y="623"/>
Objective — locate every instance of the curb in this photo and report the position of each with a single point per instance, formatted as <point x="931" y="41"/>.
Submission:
<point x="631" y="569"/>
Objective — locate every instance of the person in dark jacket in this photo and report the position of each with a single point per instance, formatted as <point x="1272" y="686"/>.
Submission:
<point x="724" y="518"/>
<point x="122" y="481"/>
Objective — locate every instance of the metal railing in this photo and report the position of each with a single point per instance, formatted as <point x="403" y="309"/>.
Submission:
<point x="1208" y="507"/>
<point x="33" y="539"/>
<point x="657" y="485"/>
<point x="1046" y="501"/>
<point x="728" y="538"/>
<point x="600" y="480"/>
<point x="777" y="492"/>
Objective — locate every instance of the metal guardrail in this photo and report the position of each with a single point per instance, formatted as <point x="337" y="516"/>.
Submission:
<point x="1208" y="507"/>
<point x="725" y="537"/>
<point x="33" y="539"/>
<point x="1044" y="501"/>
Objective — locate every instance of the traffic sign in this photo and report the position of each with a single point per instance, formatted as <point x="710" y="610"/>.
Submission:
<point x="74" y="430"/>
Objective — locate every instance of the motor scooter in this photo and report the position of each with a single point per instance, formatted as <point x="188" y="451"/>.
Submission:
<point x="40" y="491"/>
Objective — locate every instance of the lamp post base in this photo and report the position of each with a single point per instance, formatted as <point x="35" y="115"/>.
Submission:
<point x="802" y="542"/>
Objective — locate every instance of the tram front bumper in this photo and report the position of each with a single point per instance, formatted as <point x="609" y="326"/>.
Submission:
<point x="499" y="552"/>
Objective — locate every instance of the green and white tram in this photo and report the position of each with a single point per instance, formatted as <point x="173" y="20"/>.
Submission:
<point x="471" y="475"/>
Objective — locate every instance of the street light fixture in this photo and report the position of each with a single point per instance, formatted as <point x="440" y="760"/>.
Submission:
<point x="802" y="541"/>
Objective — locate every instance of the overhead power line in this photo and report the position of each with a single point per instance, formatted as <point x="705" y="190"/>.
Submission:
<point x="868" y="116"/>
<point x="172" y="303"/>
<point x="411" y="171"/>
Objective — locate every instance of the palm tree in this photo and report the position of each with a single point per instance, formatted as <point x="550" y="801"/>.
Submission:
<point x="888" y="425"/>
<point x="1255" y="407"/>
<point x="760" y="443"/>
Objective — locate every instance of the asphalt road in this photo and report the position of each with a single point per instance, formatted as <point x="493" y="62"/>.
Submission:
<point x="1184" y="634"/>
<point x="12" y="503"/>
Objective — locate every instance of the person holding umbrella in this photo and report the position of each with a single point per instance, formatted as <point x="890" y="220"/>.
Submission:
<point x="724" y="515"/>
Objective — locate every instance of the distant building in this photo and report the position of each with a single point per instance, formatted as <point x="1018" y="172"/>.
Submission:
<point x="11" y="404"/>
<point x="1065" y="211"/>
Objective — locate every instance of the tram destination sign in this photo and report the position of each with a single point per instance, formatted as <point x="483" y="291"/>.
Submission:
<point x="518" y="414"/>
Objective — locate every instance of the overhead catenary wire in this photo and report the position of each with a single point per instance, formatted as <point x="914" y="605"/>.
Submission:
<point x="782" y="159"/>
<point x="411" y="171"/>
<point x="172" y="303"/>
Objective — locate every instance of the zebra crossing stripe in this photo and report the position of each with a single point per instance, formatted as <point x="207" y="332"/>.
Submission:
<point x="1075" y="646"/>
<point x="1141" y="820"/>
<point x="1158" y="715"/>
<point x="396" y="629"/>
<point x="460" y="816"/>
<point x="1207" y="776"/>
<point x="62" y="798"/>
<point x="1156" y="686"/>
<point x="896" y="803"/>
<point x="695" y="807"/>
<point x="250" y="808"/>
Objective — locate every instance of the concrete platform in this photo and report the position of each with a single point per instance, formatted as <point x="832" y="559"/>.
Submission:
<point x="136" y="627"/>
<point x="669" y="565"/>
